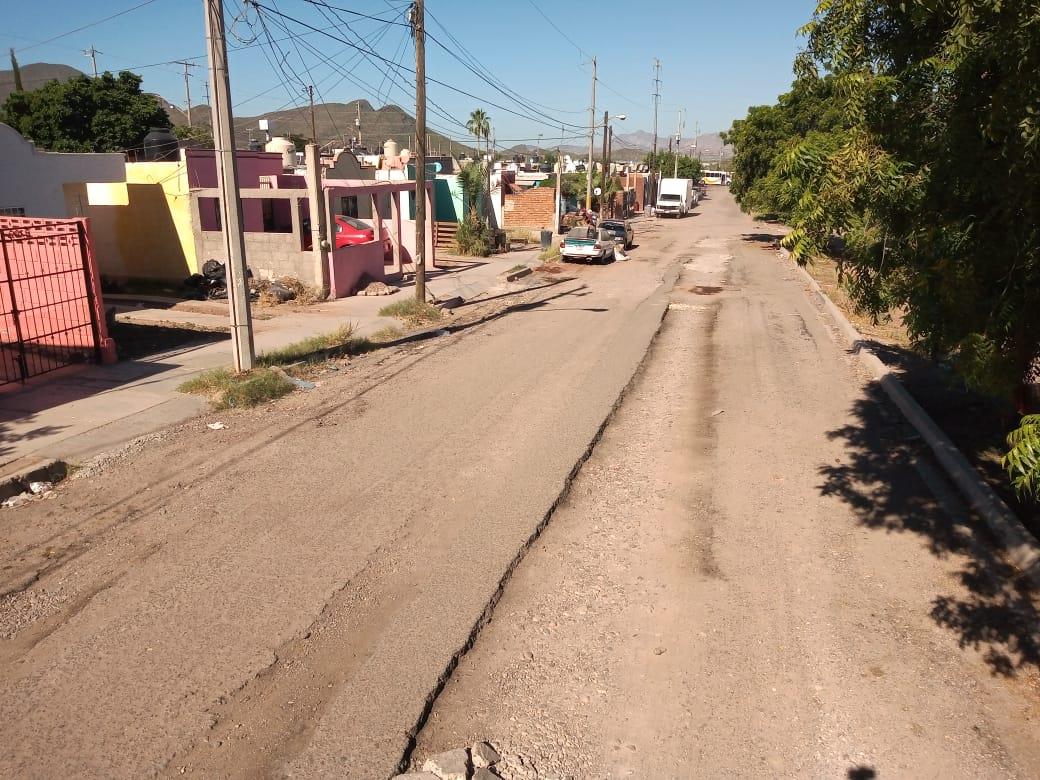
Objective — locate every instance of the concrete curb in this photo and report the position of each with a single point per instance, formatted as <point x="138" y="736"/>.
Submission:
<point x="1022" y="548"/>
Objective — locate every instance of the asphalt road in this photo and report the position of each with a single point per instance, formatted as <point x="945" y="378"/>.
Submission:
<point x="751" y="575"/>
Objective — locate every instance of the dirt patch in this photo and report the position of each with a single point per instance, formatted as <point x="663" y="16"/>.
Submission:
<point x="701" y="289"/>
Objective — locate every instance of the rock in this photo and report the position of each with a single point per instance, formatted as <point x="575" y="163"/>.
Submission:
<point x="16" y="501"/>
<point x="37" y="488"/>
<point x="484" y="755"/>
<point x="452" y="765"/>
<point x="484" y="774"/>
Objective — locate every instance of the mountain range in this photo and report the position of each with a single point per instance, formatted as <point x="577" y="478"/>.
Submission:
<point x="337" y="120"/>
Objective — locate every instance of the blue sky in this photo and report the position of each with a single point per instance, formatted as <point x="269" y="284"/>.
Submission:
<point x="717" y="58"/>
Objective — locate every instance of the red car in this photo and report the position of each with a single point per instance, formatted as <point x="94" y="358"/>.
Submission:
<point x="351" y="232"/>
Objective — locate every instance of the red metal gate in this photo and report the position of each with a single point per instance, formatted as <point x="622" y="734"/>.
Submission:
<point x="50" y="305"/>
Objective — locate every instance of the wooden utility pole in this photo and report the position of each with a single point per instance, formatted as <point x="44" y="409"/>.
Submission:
<point x="227" y="180"/>
<point x="592" y="140"/>
<point x="419" y="33"/>
<point x="187" y="84"/>
<point x="314" y="127"/>
<point x="603" y="188"/>
<point x="92" y="53"/>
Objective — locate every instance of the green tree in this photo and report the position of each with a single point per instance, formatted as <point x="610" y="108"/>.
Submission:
<point x="689" y="167"/>
<point x="479" y="126"/>
<point x="934" y="185"/>
<point x="106" y="114"/>
<point x="196" y="135"/>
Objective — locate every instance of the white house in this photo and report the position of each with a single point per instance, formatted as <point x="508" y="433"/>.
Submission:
<point x="32" y="183"/>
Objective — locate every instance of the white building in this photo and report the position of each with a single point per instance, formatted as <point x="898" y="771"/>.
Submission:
<point x="32" y="183"/>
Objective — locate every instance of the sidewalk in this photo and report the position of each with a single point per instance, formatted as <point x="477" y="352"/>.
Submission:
<point x="77" y="413"/>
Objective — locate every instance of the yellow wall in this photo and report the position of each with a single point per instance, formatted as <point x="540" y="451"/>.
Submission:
<point x="141" y="228"/>
<point x="173" y="178"/>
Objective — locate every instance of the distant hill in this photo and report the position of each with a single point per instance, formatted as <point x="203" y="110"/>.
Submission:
<point x="332" y="120"/>
<point x="709" y="144"/>
<point x="35" y="75"/>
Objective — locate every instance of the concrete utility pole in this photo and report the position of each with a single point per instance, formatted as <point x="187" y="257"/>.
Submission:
<point x="92" y="53"/>
<point x="357" y="123"/>
<point x="187" y="84"/>
<point x="603" y="189"/>
<point x="227" y="180"/>
<point x="316" y="201"/>
<point x="419" y="33"/>
<point x="678" y="139"/>
<point x="592" y="140"/>
<point x="657" y="102"/>
<point x="314" y="127"/>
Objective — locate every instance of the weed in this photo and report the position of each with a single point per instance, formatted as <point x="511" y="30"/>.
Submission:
<point x="472" y="237"/>
<point x="313" y="347"/>
<point x="228" y="390"/>
<point x="387" y="334"/>
<point x="550" y="255"/>
<point x="517" y="267"/>
<point x="413" y="313"/>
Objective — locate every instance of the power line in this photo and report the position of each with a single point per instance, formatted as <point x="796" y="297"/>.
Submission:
<point x="88" y="25"/>
<point x="257" y="4"/>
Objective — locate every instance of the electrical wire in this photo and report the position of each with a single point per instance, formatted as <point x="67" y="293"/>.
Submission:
<point x="88" y="25"/>
<point x="451" y="87"/>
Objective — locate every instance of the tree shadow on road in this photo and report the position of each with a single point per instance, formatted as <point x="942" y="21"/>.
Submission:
<point x="881" y="479"/>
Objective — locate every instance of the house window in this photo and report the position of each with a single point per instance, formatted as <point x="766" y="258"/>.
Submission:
<point x="277" y="215"/>
<point x="209" y="213"/>
<point x="348" y="206"/>
<point x="12" y="211"/>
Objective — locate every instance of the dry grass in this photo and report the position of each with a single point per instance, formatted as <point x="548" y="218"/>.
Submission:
<point x="386" y="335"/>
<point x="228" y="390"/>
<point x="339" y="342"/>
<point x="890" y="331"/>
<point x="413" y="313"/>
<point x="550" y="255"/>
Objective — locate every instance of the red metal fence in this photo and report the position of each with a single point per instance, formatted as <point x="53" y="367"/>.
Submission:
<point x="51" y="313"/>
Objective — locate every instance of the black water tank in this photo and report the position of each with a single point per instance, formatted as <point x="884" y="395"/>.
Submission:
<point x="160" y="145"/>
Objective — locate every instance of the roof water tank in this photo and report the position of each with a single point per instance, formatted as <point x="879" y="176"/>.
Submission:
<point x="160" y="145"/>
<point x="390" y="148"/>
<point x="284" y="147"/>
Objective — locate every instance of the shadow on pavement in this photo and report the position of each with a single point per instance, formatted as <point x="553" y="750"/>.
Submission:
<point x="879" y="479"/>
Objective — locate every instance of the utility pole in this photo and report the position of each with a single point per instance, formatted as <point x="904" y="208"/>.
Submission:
<point x="419" y="34"/>
<point x="92" y="53"/>
<point x="187" y="84"/>
<point x="610" y="160"/>
<point x="678" y="138"/>
<point x="227" y="180"/>
<point x="314" y="128"/>
<point x="603" y="189"/>
<point x="592" y="140"/>
<point x="357" y="123"/>
<point x="657" y="102"/>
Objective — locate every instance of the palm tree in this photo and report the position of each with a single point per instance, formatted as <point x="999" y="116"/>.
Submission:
<point x="479" y="126"/>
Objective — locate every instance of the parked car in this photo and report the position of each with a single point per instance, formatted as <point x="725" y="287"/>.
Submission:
<point x="622" y="231"/>
<point x="588" y="243"/>
<point x="351" y="232"/>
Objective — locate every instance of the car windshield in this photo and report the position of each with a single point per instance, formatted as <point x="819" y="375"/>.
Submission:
<point x="354" y="223"/>
<point x="669" y="197"/>
<point x="617" y="228"/>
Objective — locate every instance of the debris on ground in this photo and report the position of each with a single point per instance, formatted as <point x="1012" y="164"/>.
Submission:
<point x="39" y="488"/>
<point x="378" y="288"/>
<point x="477" y="762"/>
<point x="285" y="289"/>
<point x="212" y="282"/>
<point x="37" y="491"/>
<point x="216" y="426"/>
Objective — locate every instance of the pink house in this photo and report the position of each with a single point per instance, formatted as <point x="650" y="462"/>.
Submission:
<point x="276" y="222"/>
